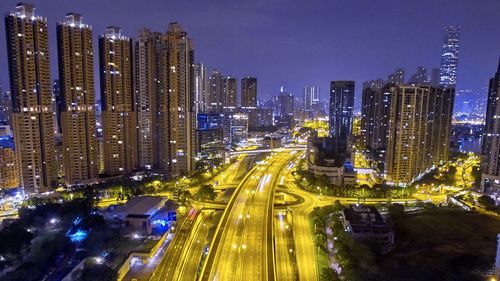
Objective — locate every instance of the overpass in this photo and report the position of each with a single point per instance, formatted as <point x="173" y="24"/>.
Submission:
<point x="256" y="151"/>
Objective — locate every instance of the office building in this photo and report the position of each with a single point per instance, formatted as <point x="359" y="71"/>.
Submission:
<point x="286" y="103"/>
<point x="148" y="88"/>
<point x="201" y="88"/>
<point x="311" y="98"/>
<point x="449" y="57"/>
<point x="32" y="112"/>
<point x="341" y="112"/>
<point x="418" y="131"/>
<point x="210" y="136"/>
<point x="238" y="127"/>
<point x="264" y="117"/>
<point x="76" y="74"/>
<point x="9" y="172"/>
<point x="117" y="100"/>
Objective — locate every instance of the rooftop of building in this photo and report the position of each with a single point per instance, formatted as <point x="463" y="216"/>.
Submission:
<point x="142" y="205"/>
<point x="365" y="219"/>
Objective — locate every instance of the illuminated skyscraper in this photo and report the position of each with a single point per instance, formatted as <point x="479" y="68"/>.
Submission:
<point x="29" y="71"/>
<point x="249" y="92"/>
<point x="177" y="105"/>
<point x="148" y="87"/>
<point x="76" y="73"/>
<point x="311" y="97"/>
<point x="398" y="77"/>
<point x="449" y="57"/>
<point x="420" y="77"/>
<point x="117" y="99"/>
<point x="375" y="106"/>
<point x="201" y="88"/>
<point x="217" y="92"/>
<point x="231" y="95"/>
<point x="418" y="131"/>
<point x="491" y="133"/>
<point x="286" y="103"/>
<point x="341" y="111"/>
<point x="249" y="99"/>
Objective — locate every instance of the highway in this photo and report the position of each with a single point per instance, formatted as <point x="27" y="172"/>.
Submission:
<point x="242" y="248"/>
<point x="284" y="250"/>
<point x="187" y="268"/>
<point x="169" y="261"/>
<point x="302" y="233"/>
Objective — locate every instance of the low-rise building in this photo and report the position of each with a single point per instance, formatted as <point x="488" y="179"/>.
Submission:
<point x="364" y="222"/>
<point x="324" y="160"/>
<point x="139" y="212"/>
<point x="9" y="172"/>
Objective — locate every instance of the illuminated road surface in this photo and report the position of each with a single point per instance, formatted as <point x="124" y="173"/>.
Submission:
<point x="283" y="249"/>
<point x="243" y="243"/>
<point x="169" y="261"/>
<point x="189" y="263"/>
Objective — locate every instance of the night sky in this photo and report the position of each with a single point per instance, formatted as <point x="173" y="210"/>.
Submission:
<point x="300" y="42"/>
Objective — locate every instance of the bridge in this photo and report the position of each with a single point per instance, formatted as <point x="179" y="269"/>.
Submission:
<point x="256" y="151"/>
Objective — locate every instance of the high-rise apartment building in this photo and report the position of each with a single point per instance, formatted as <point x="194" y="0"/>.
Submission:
<point x="491" y="133"/>
<point x="420" y="77"/>
<point x="248" y="92"/>
<point x="418" y="131"/>
<point x="231" y="92"/>
<point x="217" y="92"/>
<point x="375" y="107"/>
<point x="117" y="100"/>
<point x="148" y="87"/>
<point x="76" y="78"/>
<point x="29" y="71"/>
<point x="177" y="105"/>
<point x="449" y="56"/>
<point x="341" y="113"/>
<point x="398" y="77"/>
<point x="58" y="100"/>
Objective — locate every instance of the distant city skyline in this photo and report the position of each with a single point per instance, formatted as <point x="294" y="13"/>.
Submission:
<point x="322" y="56"/>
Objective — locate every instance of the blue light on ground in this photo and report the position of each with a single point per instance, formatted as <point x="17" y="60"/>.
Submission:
<point x="78" y="236"/>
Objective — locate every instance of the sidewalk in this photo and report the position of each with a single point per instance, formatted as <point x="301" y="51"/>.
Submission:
<point x="331" y="250"/>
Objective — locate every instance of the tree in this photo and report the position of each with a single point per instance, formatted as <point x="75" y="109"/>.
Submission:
<point x="329" y="274"/>
<point x="486" y="201"/>
<point x="97" y="272"/>
<point x="13" y="238"/>
<point x="205" y="192"/>
<point x="337" y="206"/>
<point x="396" y="211"/>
